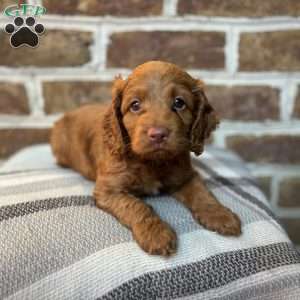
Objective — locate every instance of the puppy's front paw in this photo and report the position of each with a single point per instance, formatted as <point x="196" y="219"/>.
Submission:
<point x="219" y="219"/>
<point x="155" y="236"/>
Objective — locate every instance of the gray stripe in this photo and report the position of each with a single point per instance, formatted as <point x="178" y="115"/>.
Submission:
<point x="210" y="273"/>
<point x="258" y="286"/>
<point x="25" y="208"/>
<point x="265" y="289"/>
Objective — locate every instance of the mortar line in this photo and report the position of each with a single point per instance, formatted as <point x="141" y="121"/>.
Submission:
<point x="103" y="47"/>
<point x="169" y="8"/>
<point x="289" y="100"/>
<point x="242" y="23"/>
<point x="31" y="91"/>
<point x="231" y="51"/>
<point x="40" y="100"/>
<point x="95" y="50"/>
<point x="274" y="79"/>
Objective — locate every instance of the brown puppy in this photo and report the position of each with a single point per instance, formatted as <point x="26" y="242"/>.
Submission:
<point x="140" y="145"/>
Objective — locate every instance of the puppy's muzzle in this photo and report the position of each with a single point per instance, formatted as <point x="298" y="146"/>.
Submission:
<point x="158" y="135"/>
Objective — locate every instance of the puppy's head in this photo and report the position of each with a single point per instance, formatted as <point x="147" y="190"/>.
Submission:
<point x="159" y="112"/>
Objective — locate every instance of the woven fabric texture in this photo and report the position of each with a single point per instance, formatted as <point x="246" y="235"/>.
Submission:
<point x="55" y="243"/>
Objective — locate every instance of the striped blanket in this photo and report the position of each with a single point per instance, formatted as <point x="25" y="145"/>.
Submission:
<point x="55" y="244"/>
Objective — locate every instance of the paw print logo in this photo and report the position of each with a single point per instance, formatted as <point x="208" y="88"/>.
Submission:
<point x="24" y="32"/>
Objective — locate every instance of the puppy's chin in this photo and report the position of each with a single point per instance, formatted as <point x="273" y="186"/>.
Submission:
<point x="161" y="156"/>
<point x="155" y="153"/>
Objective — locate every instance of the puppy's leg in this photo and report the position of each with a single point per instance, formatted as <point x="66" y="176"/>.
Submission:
<point x="151" y="233"/>
<point x="207" y="210"/>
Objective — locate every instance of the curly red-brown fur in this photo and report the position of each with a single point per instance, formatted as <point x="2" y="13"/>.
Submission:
<point x="114" y="145"/>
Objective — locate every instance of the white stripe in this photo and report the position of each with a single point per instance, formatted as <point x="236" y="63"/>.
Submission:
<point x="33" y="179"/>
<point x="107" y="269"/>
<point x="78" y="190"/>
<point x="33" y="157"/>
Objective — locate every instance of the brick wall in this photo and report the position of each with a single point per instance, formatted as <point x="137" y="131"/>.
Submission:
<point x="248" y="52"/>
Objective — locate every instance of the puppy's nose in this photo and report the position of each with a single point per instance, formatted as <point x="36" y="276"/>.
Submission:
<point x="158" y="134"/>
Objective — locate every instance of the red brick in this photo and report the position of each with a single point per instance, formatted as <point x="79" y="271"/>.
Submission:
<point x="131" y="8"/>
<point x="245" y="103"/>
<point x="270" y="51"/>
<point x="13" y="99"/>
<point x="238" y="8"/>
<point x="202" y="50"/>
<point x="296" y="111"/>
<point x="289" y="195"/>
<point x="4" y="4"/>
<point x="63" y="96"/>
<point x="292" y="227"/>
<point x="264" y="182"/>
<point x="267" y="149"/>
<point x="15" y="139"/>
<point x="57" y="48"/>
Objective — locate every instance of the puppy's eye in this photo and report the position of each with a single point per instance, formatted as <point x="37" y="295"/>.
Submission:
<point x="135" y="106"/>
<point x="178" y="103"/>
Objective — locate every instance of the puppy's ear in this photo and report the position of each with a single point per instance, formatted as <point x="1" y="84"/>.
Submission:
<point x="116" y="136"/>
<point x="205" y="119"/>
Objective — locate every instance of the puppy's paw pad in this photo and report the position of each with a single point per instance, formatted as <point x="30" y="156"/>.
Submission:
<point x="155" y="237"/>
<point x="221" y="220"/>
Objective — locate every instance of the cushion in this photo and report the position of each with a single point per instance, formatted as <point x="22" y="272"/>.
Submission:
<point x="55" y="243"/>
